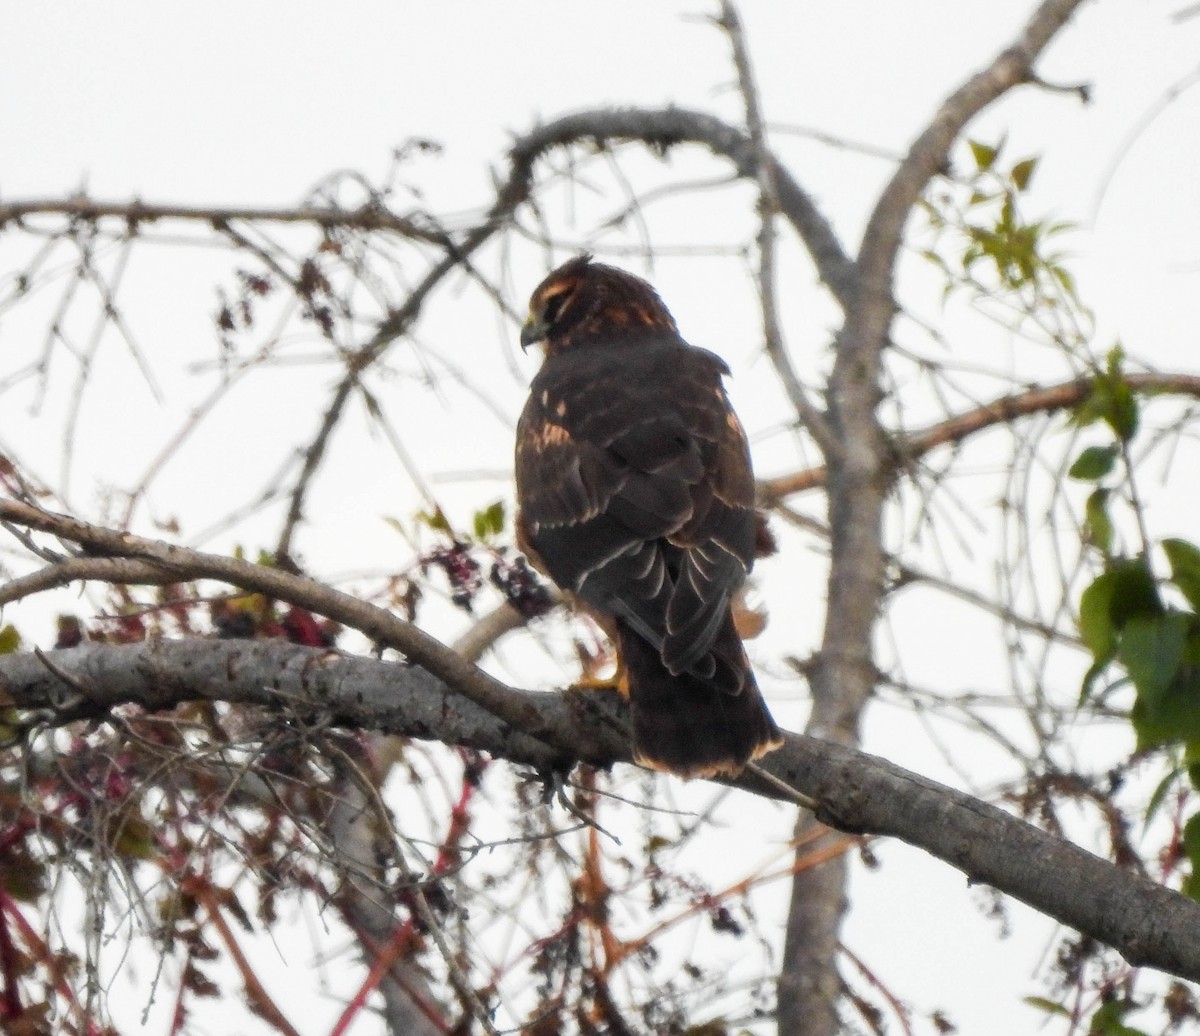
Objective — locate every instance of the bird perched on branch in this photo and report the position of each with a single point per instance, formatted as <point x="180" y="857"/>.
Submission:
<point x="636" y="495"/>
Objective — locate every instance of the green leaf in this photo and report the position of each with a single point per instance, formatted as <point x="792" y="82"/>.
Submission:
<point x="1123" y="415"/>
<point x="1151" y="650"/>
<point x="1190" y="886"/>
<point x="133" y="838"/>
<point x="1122" y="592"/>
<point x="436" y="520"/>
<point x="10" y="639"/>
<point x="1184" y="558"/>
<point x="1191" y="840"/>
<point x="1159" y="795"/>
<point x="1114" y="398"/>
<point x="1135" y="593"/>
<point x="1107" y="1021"/>
<point x="1091" y="410"/>
<point x="1022" y="172"/>
<point x="1169" y="720"/>
<point x="1111" y="400"/>
<point x="1114" y="361"/>
<point x="23" y="878"/>
<point x="1098" y="525"/>
<point x="1191" y="762"/>
<point x="1095" y="617"/>
<point x="984" y="155"/>
<point x="1094" y="463"/>
<point x="1119" y="408"/>
<point x="1093" y="674"/>
<point x="1049" y="1006"/>
<point x="1167" y="709"/>
<point x="1066" y="279"/>
<point x="490" y="521"/>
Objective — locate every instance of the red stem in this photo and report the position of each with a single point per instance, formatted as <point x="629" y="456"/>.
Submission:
<point x="8" y="967"/>
<point x="38" y="949"/>
<point x="399" y="942"/>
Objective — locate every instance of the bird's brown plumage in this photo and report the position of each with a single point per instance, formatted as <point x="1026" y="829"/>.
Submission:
<point x="637" y="495"/>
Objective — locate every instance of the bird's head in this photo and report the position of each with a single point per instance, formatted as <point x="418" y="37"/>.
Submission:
<point x="583" y="299"/>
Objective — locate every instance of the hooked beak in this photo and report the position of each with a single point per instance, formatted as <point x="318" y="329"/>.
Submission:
<point x="531" y="332"/>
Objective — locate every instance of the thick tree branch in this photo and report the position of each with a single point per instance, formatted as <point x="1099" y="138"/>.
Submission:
<point x="861" y="470"/>
<point x="180" y="564"/>
<point x="477" y="640"/>
<point x="1046" y="400"/>
<point x="1149" y="924"/>
<point x="660" y="128"/>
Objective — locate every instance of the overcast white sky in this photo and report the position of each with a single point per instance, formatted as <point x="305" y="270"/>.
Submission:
<point x="251" y="104"/>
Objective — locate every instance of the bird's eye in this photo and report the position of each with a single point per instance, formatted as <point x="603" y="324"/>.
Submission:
<point x="553" y="304"/>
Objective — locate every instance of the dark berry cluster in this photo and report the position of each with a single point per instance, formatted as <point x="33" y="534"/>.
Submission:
<point x="520" y="585"/>
<point x="461" y="569"/>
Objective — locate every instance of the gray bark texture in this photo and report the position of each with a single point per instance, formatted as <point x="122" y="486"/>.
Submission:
<point x="859" y="476"/>
<point x="858" y="793"/>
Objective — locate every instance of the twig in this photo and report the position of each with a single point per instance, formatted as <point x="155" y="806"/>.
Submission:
<point x="812" y="417"/>
<point x="313" y="456"/>
<point x="256" y="993"/>
<point x="665" y="128"/>
<point x="135" y="213"/>
<point x="784" y="789"/>
<point x="70" y="570"/>
<point x="1003" y="410"/>
<point x="381" y="625"/>
<point x="899" y="1009"/>
<point x="78" y="686"/>
<point x="460" y="981"/>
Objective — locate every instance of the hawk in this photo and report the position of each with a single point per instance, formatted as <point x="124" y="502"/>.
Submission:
<point x="636" y="495"/>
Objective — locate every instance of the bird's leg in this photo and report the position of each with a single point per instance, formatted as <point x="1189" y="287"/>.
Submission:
<point x="617" y="681"/>
<point x="596" y="659"/>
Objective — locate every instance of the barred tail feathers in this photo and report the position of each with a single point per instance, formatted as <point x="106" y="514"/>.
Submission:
<point x="685" y="725"/>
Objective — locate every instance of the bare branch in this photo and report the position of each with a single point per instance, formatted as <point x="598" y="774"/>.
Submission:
<point x="807" y="411"/>
<point x="181" y="564"/>
<point x="860" y="474"/>
<point x="1001" y="411"/>
<point x="313" y="456"/>
<point x="666" y="128"/>
<point x="929" y="152"/>
<point x="489" y="628"/>
<point x="1036" y="401"/>
<point x="135" y="213"/>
